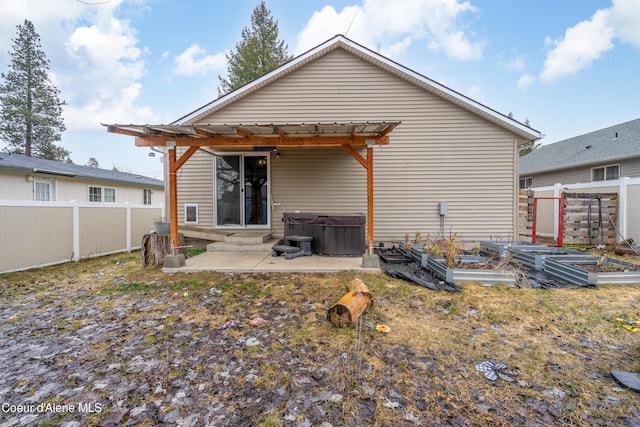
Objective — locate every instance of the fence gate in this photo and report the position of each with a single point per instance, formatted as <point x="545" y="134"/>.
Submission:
<point x="583" y="218"/>
<point x="590" y="218"/>
<point x="525" y="214"/>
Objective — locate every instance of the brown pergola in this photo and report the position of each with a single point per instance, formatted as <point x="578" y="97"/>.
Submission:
<point x="349" y="136"/>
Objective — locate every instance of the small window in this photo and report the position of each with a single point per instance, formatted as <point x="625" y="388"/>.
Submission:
<point x="526" y="182"/>
<point x="190" y="213"/>
<point x="95" y="194"/>
<point x="146" y="196"/>
<point x="110" y="195"/>
<point x="43" y="190"/>
<point x="605" y="173"/>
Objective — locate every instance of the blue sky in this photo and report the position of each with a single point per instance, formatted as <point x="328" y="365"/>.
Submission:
<point x="569" y="67"/>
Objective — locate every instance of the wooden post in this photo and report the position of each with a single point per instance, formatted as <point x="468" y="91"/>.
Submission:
<point x="173" y="196"/>
<point x="174" y="166"/>
<point x="370" y="200"/>
<point x="561" y="220"/>
<point x="368" y="165"/>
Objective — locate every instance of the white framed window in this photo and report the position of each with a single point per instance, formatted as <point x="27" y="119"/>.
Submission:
<point x="44" y="190"/>
<point x="605" y="173"/>
<point x="95" y="194"/>
<point x="102" y="194"/>
<point x="109" y="195"/>
<point x="146" y="196"/>
<point x="526" y="182"/>
<point x="190" y="213"/>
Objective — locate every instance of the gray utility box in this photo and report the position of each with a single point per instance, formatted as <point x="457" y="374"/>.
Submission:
<point x="332" y="234"/>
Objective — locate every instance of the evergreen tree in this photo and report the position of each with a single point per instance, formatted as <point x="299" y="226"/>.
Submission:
<point x="92" y="163"/>
<point x="526" y="149"/>
<point x="30" y="108"/>
<point x="257" y="53"/>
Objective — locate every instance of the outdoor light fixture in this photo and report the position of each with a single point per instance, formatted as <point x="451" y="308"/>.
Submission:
<point x="171" y="145"/>
<point x="370" y="143"/>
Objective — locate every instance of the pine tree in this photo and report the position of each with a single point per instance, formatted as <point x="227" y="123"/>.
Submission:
<point x="30" y="107"/>
<point x="92" y="163"/>
<point x="257" y="53"/>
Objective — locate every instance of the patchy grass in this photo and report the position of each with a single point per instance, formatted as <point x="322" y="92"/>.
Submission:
<point x="562" y="342"/>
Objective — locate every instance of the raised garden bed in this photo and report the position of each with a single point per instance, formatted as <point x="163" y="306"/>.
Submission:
<point x="535" y="256"/>
<point x="593" y="271"/>
<point x="470" y="268"/>
<point x="500" y="247"/>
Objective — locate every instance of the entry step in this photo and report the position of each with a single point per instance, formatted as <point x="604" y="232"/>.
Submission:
<point x="293" y="247"/>
<point x="289" y="252"/>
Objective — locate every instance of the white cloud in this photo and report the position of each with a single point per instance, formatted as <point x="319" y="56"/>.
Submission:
<point x="624" y="18"/>
<point x="110" y="65"/>
<point x="517" y="63"/>
<point x="526" y="81"/>
<point x="585" y="42"/>
<point x="436" y="22"/>
<point x="96" y="61"/>
<point x="195" y="61"/>
<point x="582" y="44"/>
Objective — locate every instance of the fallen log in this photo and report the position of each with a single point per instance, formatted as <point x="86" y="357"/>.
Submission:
<point x="627" y="250"/>
<point x="352" y="304"/>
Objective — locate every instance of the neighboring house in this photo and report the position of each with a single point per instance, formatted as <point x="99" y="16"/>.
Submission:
<point x="31" y="178"/>
<point x="442" y="147"/>
<point x="606" y="154"/>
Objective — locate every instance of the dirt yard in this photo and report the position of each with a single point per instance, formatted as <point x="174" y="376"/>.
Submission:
<point x="109" y="342"/>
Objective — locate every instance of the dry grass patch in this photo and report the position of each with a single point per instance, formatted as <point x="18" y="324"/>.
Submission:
<point x="562" y="343"/>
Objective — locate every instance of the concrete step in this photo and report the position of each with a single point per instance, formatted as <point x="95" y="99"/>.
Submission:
<point x="203" y="233"/>
<point x="242" y="247"/>
<point x="248" y="237"/>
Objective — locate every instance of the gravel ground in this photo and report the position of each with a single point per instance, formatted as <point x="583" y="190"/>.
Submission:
<point x="103" y="347"/>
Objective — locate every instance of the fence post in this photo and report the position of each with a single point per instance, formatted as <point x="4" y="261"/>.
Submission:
<point x="128" y="226"/>
<point x="622" y="209"/>
<point x="556" y="209"/>
<point x="76" y="230"/>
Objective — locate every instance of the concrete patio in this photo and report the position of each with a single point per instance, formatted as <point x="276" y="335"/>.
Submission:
<point x="263" y="262"/>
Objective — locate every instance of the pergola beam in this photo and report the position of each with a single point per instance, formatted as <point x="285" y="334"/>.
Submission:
<point x="250" y="141"/>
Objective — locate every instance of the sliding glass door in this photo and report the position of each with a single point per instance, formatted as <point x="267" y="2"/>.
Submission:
<point x="242" y="190"/>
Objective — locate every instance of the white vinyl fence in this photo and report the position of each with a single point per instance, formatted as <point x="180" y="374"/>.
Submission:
<point x="627" y="222"/>
<point x="36" y="234"/>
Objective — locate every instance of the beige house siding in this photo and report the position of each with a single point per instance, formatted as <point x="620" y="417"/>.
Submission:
<point x="440" y="152"/>
<point x="195" y="185"/>
<point x="568" y="176"/>
<point x="629" y="168"/>
<point x="16" y="186"/>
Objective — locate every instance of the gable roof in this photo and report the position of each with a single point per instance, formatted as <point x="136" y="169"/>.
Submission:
<point x="610" y="144"/>
<point x="341" y="42"/>
<point x="20" y="163"/>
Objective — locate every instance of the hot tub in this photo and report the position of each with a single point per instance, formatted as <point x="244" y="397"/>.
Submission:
<point x="339" y="234"/>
